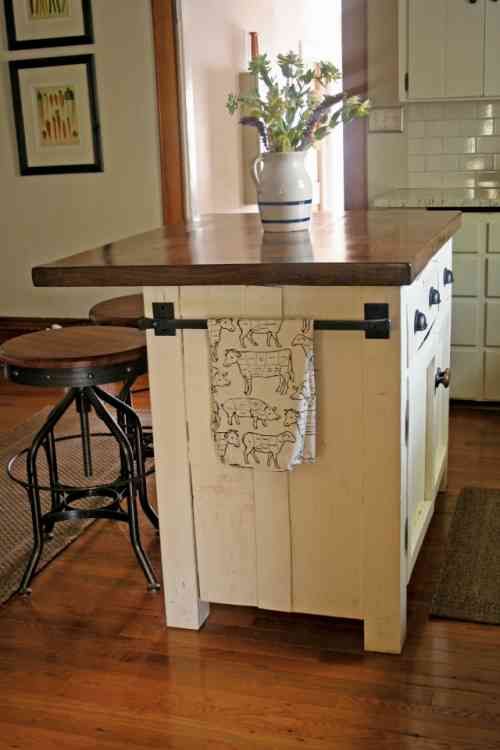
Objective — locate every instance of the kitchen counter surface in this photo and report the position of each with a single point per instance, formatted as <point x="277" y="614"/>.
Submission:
<point x="484" y="197"/>
<point x="387" y="248"/>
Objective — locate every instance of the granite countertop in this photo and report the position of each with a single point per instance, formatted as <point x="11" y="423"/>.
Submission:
<point x="382" y="248"/>
<point x="478" y="197"/>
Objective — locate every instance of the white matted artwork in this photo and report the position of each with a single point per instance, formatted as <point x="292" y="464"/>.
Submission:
<point x="48" y="23"/>
<point x="56" y="116"/>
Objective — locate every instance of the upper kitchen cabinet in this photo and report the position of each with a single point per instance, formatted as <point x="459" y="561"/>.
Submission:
<point x="448" y="49"/>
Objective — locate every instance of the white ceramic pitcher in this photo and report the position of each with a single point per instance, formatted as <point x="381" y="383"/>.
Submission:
<point x="284" y="191"/>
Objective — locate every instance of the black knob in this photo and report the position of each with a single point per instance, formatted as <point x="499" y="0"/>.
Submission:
<point x="434" y="296"/>
<point x="472" y="2"/>
<point x="420" y="321"/>
<point x="447" y="276"/>
<point x="443" y="378"/>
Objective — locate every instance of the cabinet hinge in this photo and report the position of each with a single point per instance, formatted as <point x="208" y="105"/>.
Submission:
<point x="406" y="536"/>
<point x="407" y="421"/>
<point x="407" y="82"/>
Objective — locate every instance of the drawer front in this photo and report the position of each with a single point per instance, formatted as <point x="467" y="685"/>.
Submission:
<point x="466" y="270"/>
<point x="444" y="264"/>
<point x="471" y="237"/>
<point x="466" y="373"/>
<point x="464" y="326"/>
<point x="423" y="308"/>
<point x="492" y="375"/>
<point x="492" y="337"/>
<point x="493" y="276"/>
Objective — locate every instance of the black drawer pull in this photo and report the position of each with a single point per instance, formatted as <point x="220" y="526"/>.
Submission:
<point x="447" y="276"/>
<point x="443" y="378"/>
<point x="434" y="296"/>
<point x="420" y="321"/>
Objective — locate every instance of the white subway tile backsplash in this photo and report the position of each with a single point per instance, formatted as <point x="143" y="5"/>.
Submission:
<point x="458" y="180"/>
<point x="443" y="128"/>
<point x="416" y="163"/>
<point x="460" y="111"/>
<point x="441" y="163"/>
<point x="459" y="145"/>
<point x="416" y="146"/>
<point x="488" y="109"/>
<point x="476" y="127"/>
<point x="416" y="130"/>
<point x="423" y="180"/>
<point x="471" y="163"/>
<point x="489" y="145"/>
<point x="425" y="146"/>
<point x="453" y="144"/>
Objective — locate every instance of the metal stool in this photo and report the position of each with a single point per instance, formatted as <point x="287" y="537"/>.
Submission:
<point x="124" y="311"/>
<point x="119" y="311"/>
<point x="81" y="359"/>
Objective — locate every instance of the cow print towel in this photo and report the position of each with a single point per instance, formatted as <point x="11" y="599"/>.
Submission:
<point x="263" y="392"/>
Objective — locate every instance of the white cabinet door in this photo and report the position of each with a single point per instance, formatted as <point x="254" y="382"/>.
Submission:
<point x="491" y="52"/>
<point x="438" y="399"/>
<point x="464" y="40"/>
<point x="426" y="48"/>
<point x="422" y="419"/>
<point x="445" y="42"/>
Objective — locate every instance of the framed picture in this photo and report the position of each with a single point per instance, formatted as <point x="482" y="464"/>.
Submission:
<point x="55" y="111"/>
<point x="48" y="23"/>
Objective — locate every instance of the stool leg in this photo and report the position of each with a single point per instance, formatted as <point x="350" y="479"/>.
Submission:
<point x="34" y="492"/>
<point x="123" y="440"/>
<point x="55" y="496"/>
<point x="135" y="427"/>
<point x="83" y="408"/>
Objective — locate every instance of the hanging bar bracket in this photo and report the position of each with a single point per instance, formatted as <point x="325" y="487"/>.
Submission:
<point x="376" y="323"/>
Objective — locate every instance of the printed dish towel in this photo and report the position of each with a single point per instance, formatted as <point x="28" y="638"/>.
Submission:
<point x="263" y="392"/>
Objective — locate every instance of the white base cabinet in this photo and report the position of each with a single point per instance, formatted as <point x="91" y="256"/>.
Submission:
<point x="339" y="537"/>
<point x="475" y="339"/>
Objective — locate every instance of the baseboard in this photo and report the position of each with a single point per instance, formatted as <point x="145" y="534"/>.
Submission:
<point x="17" y="326"/>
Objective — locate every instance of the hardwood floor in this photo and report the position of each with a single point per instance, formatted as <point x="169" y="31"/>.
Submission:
<point x="86" y="662"/>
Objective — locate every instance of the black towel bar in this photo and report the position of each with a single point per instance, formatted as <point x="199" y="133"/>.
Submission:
<point x="376" y="323"/>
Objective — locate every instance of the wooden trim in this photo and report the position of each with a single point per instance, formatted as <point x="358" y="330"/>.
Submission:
<point x="355" y="70"/>
<point x="11" y="327"/>
<point x="167" y="89"/>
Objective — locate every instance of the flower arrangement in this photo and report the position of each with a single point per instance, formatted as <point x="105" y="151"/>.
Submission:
<point x="294" y="116"/>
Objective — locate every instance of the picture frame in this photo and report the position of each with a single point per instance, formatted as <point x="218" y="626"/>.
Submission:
<point x="56" y="115"/>
<point x="48" y="23"/>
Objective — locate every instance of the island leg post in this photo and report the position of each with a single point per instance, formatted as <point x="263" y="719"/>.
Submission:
<point x="184" y="609"/>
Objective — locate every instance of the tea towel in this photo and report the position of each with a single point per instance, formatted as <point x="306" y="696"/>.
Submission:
<point x="263" y="392"/>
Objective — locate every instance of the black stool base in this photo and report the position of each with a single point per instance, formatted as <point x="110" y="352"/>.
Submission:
<point x="124" y="491"/>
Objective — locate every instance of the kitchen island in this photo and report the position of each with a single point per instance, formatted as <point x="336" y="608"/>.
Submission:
<point x="339" y="537"/>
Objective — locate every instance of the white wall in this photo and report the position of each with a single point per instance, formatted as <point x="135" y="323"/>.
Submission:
<point x="217" y="48"/>
<point x="46" y="217"/>
<point x="387" y="152"/>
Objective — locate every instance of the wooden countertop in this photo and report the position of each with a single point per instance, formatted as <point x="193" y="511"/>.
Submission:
<point x="383" y="248"/>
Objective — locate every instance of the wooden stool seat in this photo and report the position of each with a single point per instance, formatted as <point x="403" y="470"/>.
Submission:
<point x="84" y="354"/>
<point x="119" y="311"/>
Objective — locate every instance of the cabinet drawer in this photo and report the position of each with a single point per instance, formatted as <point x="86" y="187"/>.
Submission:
<point x="443" y="263"/>
<point x="492" y="376"/>
<point x="421" y="314"/>
<point x="493" y="277"/>
<point x="471" y="237"/>
<point x="464" y="327"/>
<point x="494" y="237"/>
<point x="466" y="268"/>
<point x="466" y="374"/>
<point x="492" y="336"/>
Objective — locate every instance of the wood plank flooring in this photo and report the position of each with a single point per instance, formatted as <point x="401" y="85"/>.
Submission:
<point x="86" y="661"/>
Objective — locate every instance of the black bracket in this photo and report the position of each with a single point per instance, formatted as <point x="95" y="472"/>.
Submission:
<point x="376" y="323"/>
